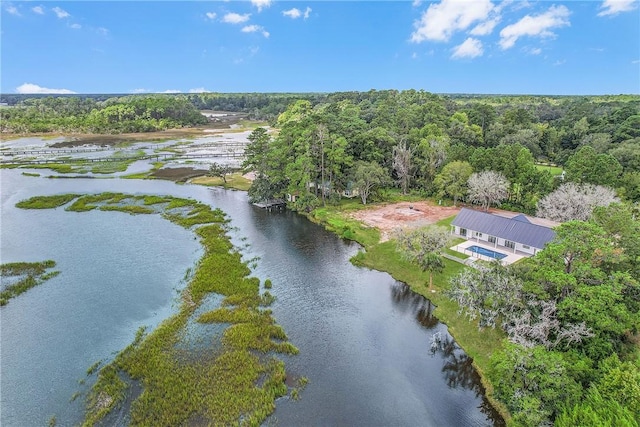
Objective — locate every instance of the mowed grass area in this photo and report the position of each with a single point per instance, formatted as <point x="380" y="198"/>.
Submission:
<point x="553" y="170"/>
<point x="335" y="219"/>
<point x="479" y="344"/>
<point x="234" y="181"/>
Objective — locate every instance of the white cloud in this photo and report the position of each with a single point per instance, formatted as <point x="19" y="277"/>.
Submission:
<point x="535" y="51"/>
<point x="614" y="7"/>
<point x="292" y="13"/>
<point x="12" y="10"/>
<point x="416" y="3"/>
<point x="235" y="18"/>
<point x="102" y="31"/>
<point x="485" y="28"/>
<point x="441" y="20"/>
<point x="414" y="55"/>
<point x="559" y="62"/>
<point x="172" y="91"/>
<point x="260" y="4"/>
<point x="139" y="90"/>
<point x="198" y="90"/>
<point x="254" y="29"/>
<point x="38" y="9"/>
<point x="211" y="15"/>
<point x="31" y="88"/>
<point x="60" y="13"/>
<point x="470" y="48"/>
<point x="307" y="12"/>
<point x="535" y="26"/>
<point x="76" y="26"/>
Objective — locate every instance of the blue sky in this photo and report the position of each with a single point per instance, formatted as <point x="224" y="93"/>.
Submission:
<point x="445" y="46"/>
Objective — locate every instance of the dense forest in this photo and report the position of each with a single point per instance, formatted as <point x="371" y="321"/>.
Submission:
<point x="570" y="315"/>
<point x="431" y="144"/>
<point x="92" y="115"/>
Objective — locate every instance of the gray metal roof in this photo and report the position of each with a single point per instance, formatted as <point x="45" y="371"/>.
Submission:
<point x="514" y="229"/>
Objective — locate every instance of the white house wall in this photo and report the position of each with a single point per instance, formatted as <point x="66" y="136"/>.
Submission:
<point x="484" y="239"/>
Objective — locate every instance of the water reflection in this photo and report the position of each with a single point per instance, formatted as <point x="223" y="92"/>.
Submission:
<point x="459" y="372"/>
<point x="408" y="301"/>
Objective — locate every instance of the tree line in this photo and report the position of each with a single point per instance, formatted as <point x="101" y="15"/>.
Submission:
<point x="90" y="115"/>
<point x="432" y="144"/>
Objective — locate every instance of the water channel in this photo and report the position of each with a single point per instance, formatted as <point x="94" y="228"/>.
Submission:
<point x="364" y="338"/>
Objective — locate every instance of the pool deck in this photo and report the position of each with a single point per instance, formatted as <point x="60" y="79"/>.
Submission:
<point x="509" y="259"/>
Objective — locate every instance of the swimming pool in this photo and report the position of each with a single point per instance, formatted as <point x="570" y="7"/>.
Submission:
<point x="486" y="252"/>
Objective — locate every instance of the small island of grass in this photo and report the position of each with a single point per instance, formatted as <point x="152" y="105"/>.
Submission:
<point x="19" y="277"/>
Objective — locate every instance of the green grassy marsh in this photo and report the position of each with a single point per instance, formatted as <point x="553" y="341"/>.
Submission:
<point x="25" y="276"/>
<point x="235" y="383"/>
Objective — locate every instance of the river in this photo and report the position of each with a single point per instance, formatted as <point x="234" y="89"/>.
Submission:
<point x="364" y="338"/>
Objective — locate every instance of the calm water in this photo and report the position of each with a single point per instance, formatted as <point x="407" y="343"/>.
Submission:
<point x="364" y="338"/>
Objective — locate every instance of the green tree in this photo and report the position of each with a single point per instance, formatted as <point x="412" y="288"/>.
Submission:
<point x="367" y="177"/>
<point x="596" y="410"/>
<point x="534" y="382"/>
<point x="586" y="166"/>
<point x="219" y="170"/>
<point x="424" y="247"/>
<point x="257" y="151"/>
<point x="452" y="180"/>
<point x="628" y="129"/>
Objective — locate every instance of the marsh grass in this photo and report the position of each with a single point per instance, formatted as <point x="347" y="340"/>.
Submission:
<point x="145" y="175"/>
<point x="56" y="167"/>
<point x="94" y="368"/>
<point x="46" y="202"/>
<point x="27" y="276"/>
<point x="238" y="382"/>
<point x="133" y="210"/>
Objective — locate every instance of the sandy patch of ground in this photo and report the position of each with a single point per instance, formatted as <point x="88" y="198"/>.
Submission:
<point x="403" y="215"/>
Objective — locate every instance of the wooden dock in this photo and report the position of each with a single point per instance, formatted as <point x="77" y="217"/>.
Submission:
<point x="271" y="204"/>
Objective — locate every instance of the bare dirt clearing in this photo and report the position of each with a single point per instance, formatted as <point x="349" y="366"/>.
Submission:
<point x="403" y="215"/>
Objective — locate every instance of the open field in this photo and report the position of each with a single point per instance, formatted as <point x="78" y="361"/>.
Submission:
<point x="387" y="218"/>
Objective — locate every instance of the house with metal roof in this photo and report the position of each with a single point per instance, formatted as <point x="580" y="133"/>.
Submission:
<point x="516" y="234"/>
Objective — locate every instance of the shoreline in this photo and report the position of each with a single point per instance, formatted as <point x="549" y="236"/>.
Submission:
<point x="379" y="256"/>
